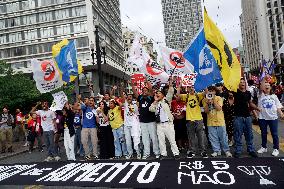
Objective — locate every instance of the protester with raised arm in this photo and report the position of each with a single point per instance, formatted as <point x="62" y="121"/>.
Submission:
<point x="164" y="119"/>
<point x="194" y="122"/>
<point x="147" y="121"/>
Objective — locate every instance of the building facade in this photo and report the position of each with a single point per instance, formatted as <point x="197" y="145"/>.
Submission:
<point x="128" y="37"/>
<point x="262" y="32"/>
<point x="182" y="20"/>
<point x="29" y="29"/>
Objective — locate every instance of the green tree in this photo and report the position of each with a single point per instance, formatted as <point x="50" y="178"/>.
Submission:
<point x="18" y="90"/>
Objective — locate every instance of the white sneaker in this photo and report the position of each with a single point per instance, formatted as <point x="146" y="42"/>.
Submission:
<point x="215" y="154"/>
<point x="26" y="144"/>
<point x="228" y="154"/>
<point x="48" y="159"/>
<point x="275" y="152"/>
<point x="139" y="156"/>
<point x="57" y="158"/>
<point x="128" y="157"/>
<point x="262" y="150"/>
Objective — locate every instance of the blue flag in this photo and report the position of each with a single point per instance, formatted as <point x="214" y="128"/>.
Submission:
<point x="200" y="56"/>
<point x="67" y="61"/>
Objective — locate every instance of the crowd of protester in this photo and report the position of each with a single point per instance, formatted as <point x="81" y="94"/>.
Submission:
<point x="129" y="125"/>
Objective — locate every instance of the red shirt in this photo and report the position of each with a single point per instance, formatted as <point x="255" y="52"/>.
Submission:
<point x="178" y="107"/>
<point x="19" y="118"/>
<point x="32" y="125"/>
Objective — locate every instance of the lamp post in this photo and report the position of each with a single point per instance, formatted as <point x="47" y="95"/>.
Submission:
<point x="98" y="52"/>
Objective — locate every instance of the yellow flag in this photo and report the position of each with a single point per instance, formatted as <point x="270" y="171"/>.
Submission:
<point x="225" y="57"/>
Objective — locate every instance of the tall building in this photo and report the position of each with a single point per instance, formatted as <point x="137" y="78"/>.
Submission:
<point x="29" y="28"/>
<point x="263" y="32"/>
<point x="182" y="20"/>
<point x="275" y="15"/>
<point x="128" y="37"/>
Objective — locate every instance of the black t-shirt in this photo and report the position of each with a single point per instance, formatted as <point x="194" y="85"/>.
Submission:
<point x="145" y="115"/>
<point x="242" y="100"/>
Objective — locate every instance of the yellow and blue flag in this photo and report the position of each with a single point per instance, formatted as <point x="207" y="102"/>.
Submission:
<point x="65" y="56"/>
<point x="199" y="55"/>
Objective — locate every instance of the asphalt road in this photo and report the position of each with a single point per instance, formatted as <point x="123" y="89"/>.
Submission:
<point x="40" y="156"/>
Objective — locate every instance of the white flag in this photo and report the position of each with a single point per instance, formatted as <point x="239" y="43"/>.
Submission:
<point x="46" y="75"/>
<point x="59" y="100"/>
<point x="281" y="50"/>
<point x="137" y="53"/>
<point x="175" y="63"/>
<point x="154" y="72"/>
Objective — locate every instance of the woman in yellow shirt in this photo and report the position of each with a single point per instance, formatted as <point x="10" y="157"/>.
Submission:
<point x="116" y="123"/>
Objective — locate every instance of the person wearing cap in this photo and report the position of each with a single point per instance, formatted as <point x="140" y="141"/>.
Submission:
<point x="195" y="122"/>
<point x="147" y="120"/>
<point x="164" y="120"/>
<point x="216" y="123"/>
<point x="117" y="125"/>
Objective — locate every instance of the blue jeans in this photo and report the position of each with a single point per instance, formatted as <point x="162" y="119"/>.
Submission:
<point x="48" y="137"/>
<point x="78" y="144"/>
<point x="243" y="125"/>
<point x="218" y="136"/>
<point x="273" y="125"/>
<point x="149" y="131"/>
<point x="119" y="142"/>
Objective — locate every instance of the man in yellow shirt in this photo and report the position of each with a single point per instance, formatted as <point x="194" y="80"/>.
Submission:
<point x="116" y="123"/>
<point x="216" y="123"/>
<point x="194" y="121"/>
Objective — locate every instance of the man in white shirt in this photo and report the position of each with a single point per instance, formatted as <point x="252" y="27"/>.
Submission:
<point x="48" y="121"/>
<point x="131" y="126"/>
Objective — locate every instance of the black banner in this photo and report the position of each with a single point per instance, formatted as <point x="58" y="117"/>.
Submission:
<point x="185" y="173"/>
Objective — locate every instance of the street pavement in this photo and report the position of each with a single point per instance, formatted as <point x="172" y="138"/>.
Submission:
<point x="36" y="156"/>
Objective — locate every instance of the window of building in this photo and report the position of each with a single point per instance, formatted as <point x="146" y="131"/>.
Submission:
<point x="61" y="14"/>
<point x="18" y="51"/>
<point x="3" y="39"/>
<point x="79" y="11"/>
<point x="45" y="16"/>
<point x="46" y="32"/>
<point x="80" y="27"/>
<point x="15" y="37"/>
<point x="13" y="7"/>
<point x="32" y="49"/>
<point x="44" y="2"/>
<point x="29" y="19"/>
<point x="82" y="42"/>
<point x="28" y="4"/>
<point x="30" y="34"/>
<point x="11" y="22"/>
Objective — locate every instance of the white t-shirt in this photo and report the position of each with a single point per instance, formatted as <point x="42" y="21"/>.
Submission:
<point x="163" y="115"/>
<point x="102" y="121"/>
<point x="268" y="105"/>
<point x="47" y="118"/>
<point x="130" y="114"/>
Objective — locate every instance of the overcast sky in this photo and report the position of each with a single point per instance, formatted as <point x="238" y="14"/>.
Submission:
<point x="147" y="14"/>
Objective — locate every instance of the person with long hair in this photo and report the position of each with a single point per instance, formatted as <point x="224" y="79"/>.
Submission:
<point x="270" y="107"/>
<point x="105" y="132"/>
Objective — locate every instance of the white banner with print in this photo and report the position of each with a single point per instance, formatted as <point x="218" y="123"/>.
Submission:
<point x="59" y="100"/>
<point x="46" y="75"/>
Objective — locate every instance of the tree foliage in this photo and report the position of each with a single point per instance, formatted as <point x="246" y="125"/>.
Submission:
<point x="18" y="90"/>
